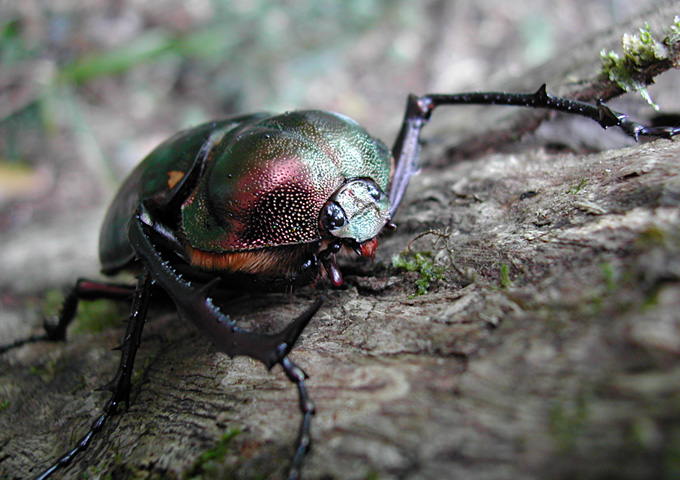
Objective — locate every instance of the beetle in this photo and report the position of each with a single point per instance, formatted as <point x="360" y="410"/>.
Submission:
<point x="266" y="201"/>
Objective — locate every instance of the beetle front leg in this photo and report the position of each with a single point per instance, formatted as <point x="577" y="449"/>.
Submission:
<point x="406" y="147"/>
<point x="196" y="305"/>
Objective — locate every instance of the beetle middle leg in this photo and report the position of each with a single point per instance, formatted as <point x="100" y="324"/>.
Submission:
<point x="195" y="304"/>
<point x="121" y="383"/>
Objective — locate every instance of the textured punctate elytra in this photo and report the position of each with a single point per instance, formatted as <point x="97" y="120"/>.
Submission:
<point x="269" y="179"/>
<point x="264" y="183"/>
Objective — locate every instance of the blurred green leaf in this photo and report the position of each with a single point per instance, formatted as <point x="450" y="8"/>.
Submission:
<point x="142" y="49"/>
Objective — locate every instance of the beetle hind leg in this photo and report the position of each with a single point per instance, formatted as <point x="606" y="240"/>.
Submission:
<point x="55" y="326"/>
<point x="21" y="342"/>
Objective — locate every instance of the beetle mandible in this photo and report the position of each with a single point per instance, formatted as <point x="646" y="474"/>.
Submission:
<point x="265" y="201"/>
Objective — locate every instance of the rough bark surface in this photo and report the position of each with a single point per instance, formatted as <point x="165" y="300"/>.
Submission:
<point x="549" y="347"/>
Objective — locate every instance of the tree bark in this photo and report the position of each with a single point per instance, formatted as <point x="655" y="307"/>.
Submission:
<point x="547" y="344"/>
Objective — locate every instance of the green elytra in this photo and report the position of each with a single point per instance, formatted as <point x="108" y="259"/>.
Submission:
<point x="266" y="179"/>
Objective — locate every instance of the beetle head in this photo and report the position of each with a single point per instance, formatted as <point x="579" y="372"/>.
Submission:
<point x="358" y="210"/>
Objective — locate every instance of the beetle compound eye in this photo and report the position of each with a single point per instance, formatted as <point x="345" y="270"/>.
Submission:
<point x="332" y="216"/>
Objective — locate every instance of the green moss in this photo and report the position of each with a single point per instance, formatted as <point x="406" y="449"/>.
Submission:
<point x="577" y="188"/>
<point x="505" y="276"/>
<point x="93" y="316"/>
<point x="99" y="315"/>
<point x="210" y="461"/>
<point x="652" y="237"/>
<point x="612" y="281"/>
<point x="639" y="52"/>
<point x="4" y="404"/>
<point x="567" y="420"/>
<point x="424" y="264"/>
<point x="609" y="277"/>
<point x="45" y="372"/>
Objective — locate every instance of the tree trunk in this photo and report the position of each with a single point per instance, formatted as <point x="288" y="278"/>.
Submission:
<point x="545" y="341"/>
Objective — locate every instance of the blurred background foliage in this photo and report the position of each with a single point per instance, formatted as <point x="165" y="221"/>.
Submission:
<point x="88" y="88"/>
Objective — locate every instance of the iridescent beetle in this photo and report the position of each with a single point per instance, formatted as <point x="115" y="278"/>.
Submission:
<point x="263" y="200"/>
